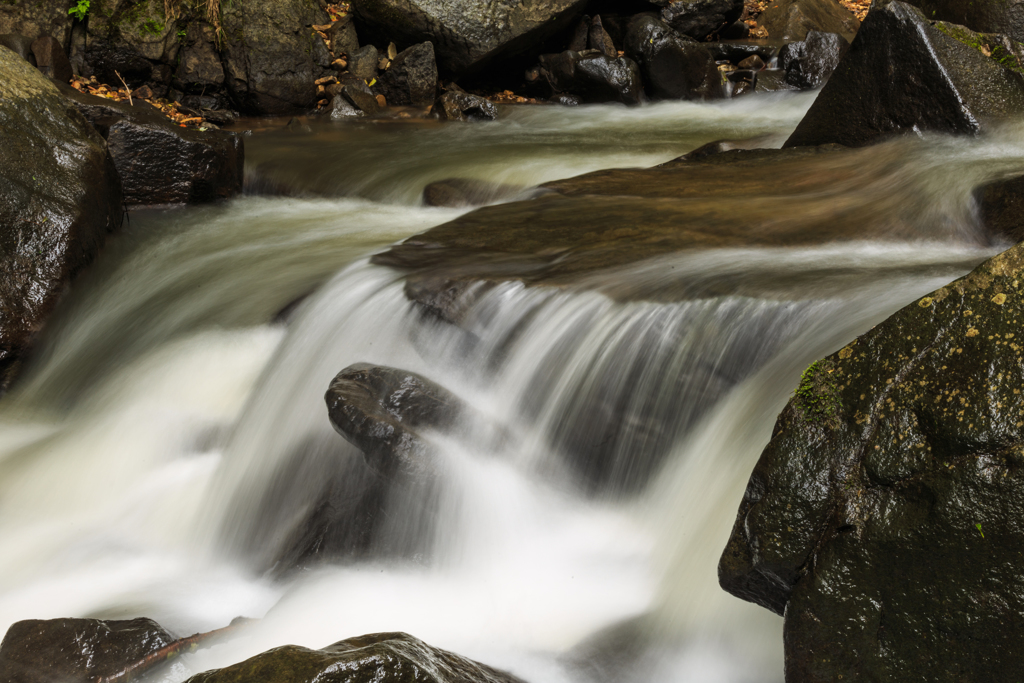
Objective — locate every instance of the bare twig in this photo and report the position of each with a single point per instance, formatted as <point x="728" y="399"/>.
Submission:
<point x="127" y="89"/>
<point x="170" y="651"/>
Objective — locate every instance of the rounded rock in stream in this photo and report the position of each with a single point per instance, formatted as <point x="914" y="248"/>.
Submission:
<point x="885" y="518"/>
<point x="374" y="658"/>
<point x="76" y="650"/>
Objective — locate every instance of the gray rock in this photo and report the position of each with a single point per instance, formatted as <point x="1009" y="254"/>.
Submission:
<point x="363" y="63"/>
<point x="809" y="63"/>
<point x="469" y="35"/>
<point x="884" y="517"/>
<point x="944" y="82"/>
<point x="50" y="59"/>
<point x="128" y="37"/>
<point x="344" y="40"/>
<point x="456" y="105"/>
<point x="359" y="95"/>
<point x="598" y="39"/>
<point x="60" y="196"/>
<point x="592" y="77"/>
<point x="20" y="45"/>
<point x="34" y="18"/>
<point x="199" y="69"/>
<point x="271" y="55"/>
<point x="984" y="16"/>
<point x="1001" y="205"/>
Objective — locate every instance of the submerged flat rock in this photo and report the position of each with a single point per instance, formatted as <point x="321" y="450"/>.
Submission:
<point x="884" y="518"/>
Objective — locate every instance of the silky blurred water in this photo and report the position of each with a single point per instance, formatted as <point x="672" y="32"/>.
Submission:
<point x="169" y="439"/>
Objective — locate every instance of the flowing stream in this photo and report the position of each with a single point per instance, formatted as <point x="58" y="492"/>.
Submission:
<point x="169" y="440"/>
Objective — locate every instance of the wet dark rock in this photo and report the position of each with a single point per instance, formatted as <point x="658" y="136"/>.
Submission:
<point x="1005" y="16"/>
<point x="884" y="517"/>
<point x="737" y="52"/>
<point x="944" y="83"/>
<point x="362" y="63"/>
<point x="580" y="35"/>
<point x="1001" y="204"/>
<point x="199" y="68"/>
<point x="752" y="62"/>
<point x="700" y="18"/>
<point x="737" y="30"/>
<point x="673" y="66"/>
<point x="411" y="80"/>
<point x="456" y="105"/>
<point x="343" y="37"/>
<point x="470" y="35"/>
<point x="60" y="196"/>
<point x="460" y="192"/>
<point x="598" y="39"/>
<point x="369" y="658"/>
<point x="592" y="77"/>
<point x="130" y="37"/>
<point x="159" y="162"/>
<point x="36" y="18"/>
<point x="271" y="55"/>
<point x="742" y="76"/>
<point x="772" y="80"/>
<point x="567" y="100"/>
<point x="382" y="412"/>
<point x="790" y="20"/>
<point x="76" y="650"/>
<point x="809" y="63"/>
<point x="51" y="60"/>
<point x="20" y="45"/>
<point x="341" y="108"/>
<point x="106" y="61"/>
<point x="359" y="95"/>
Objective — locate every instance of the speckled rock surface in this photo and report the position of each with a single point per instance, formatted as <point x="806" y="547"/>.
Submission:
<point x="367" y="659"/>
<point x="59" y="198"/>
<point x="886" y="515"/>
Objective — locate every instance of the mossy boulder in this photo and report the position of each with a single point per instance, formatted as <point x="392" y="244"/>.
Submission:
<point x="34" y="18"/>
<point x="375" y="658"/>
<point x="904" y="73"/>
<point x="60" y="196"/>
<point x="130" y="38"/>
<point x="987" y="16"/>
<point x="885" y="518"/>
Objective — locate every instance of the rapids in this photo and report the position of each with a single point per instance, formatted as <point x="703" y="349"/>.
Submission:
<point x="170" y="435"/>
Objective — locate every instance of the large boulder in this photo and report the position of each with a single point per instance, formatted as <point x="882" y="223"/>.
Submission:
<point x="199" y="67"/>
<point x="904" y="73"/>
<point x="791" y="20"/>
<point x="1001" y="205"/>
<point x="808" y="63"/>
<point x="382" y="410"/>
<point x="884" y="518"/>
<point x="77" y="650"/>
<point x="673" y="66"/>
<point x="365" y="659"/>
<point x="127" y="39"/>
<point x="159" y="162"/>
<point x="272" y="57"/>
<point x="469" y="35"/>
<point x="37" y="18"/>
<point x="701" y="18"/>
<point x="60" y="196"/>
<point x="986" y="16"/>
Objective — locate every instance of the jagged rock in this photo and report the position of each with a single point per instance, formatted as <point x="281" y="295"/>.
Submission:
<point x="470" y="35"/>
<point x="673" y="66"/>
<point x="700" y="18"/>
<point x="159" y="162"/>
<point x="50" y="58"/>
<point x="884" y="516"/>
<point x="363" y="63"/>
<point x="199" y="69"/>
<point x="60" y="197"/>
<point x="790" y="20"/>
<point x="772" y="80"/>
<point x="737" y="52"/>
<point x="456" y="105"/>
<point x="752" y="62"/>
<point x="381" y="411"/>
<point x="271" y="56"/>
<point x="809" y="63"/>
<point x="985" y="16"/>
<point x="76" y="650"/>
<point x="411" y="80"/>
<point x="365" y="659"/>
<point x="460" y="192"/>
<point x="580" y="34"/>
<point x="36" y="18"/>
<point x="344" y="40"/>
<point x="359" y="95"/>
<point x="592" y="77"/>
<point x="598" y="39"/>
<point x="944" y="81"/>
